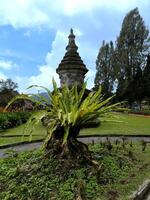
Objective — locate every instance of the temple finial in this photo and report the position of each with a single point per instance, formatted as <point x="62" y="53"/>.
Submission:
<point x="71" y="43"/>
<point x="71" y="31"/>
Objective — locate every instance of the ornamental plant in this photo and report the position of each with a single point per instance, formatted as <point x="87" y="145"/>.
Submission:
<point x="65" y="113"/>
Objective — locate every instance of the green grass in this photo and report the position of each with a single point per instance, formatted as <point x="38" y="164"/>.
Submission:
<point x="38" y="133"/>
<point x="38" y="130"/>
<point x="130" y="125"/>
<point x="23" y="176"/>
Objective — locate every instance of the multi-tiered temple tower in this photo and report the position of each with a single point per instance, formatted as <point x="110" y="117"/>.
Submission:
<point x="71" y="69"/>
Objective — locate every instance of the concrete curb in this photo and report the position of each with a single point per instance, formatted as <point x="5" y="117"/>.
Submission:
<point x="112" y="135"/>
<point x="80" y="137"/>
<point x="5" y="136"/>
<point x="141" y="193"/>
<point x="19" y="143"/>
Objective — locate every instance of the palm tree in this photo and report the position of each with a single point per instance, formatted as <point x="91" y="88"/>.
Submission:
<point x="66" y="113"/>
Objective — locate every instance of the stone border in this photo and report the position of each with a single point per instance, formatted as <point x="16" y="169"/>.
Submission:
<point x="141" y="192"/>
<point x="113" y="135"/>
<point x="19" y="143"/>
<point x="80" y="137"/>
<point x="6" y="136"/>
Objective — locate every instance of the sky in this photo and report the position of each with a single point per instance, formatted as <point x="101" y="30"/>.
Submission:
<point x="34" y="35"/>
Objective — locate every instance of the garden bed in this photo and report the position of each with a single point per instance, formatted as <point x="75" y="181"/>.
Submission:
<point x="121" y="170"/>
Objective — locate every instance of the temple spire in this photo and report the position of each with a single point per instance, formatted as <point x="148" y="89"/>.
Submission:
<point x="71" y="31"/>
<point x="71" y="68"/>
<point x="71" y="43"/>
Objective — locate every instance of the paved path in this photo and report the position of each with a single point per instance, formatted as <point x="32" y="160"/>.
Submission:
<point x="96" y="139"/>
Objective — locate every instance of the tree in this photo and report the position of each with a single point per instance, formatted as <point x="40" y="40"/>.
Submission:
<point x="7" y="91"/>
<point x="135" y="88"/>
<point x="8" y="85"/>
<point x="146" y="79"/>
<point x="65" y="116"/>
<point x="131" y="49"/>
<point x="105" y="69"/>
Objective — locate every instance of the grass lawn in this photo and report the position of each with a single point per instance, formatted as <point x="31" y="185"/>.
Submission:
<point x="38" y="133"/>
<point x="130" y="125"/>
<point x="23" y="176"/>
<point x="38" y="130"/>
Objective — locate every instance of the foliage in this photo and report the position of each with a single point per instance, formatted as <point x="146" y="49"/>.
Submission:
<point x="141" y="112"/>
<point x="105" y="75"/>
<point x="146" y="79"/>
<point x="8" y="84"/>
<point x="135" y="89"/>
<point x="7" y="91"/>
<point x="68" y="110"/>
<point x="13" y="119"/>
<point x="130" y="53"/>
<point x="29" y="176"/>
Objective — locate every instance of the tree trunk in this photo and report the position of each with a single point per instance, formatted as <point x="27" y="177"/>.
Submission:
<point x="72" y="149"/>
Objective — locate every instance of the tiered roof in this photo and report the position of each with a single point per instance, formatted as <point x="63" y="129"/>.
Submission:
<point x="72" y="59"/>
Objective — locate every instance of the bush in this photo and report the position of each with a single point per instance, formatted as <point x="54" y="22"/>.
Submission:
<point x="141" y="112"/>
<point x="92" y="124"/>
<point x="13" y="119"/>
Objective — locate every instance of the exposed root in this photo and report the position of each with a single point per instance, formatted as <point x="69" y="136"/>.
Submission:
<point x="73" y="150"/>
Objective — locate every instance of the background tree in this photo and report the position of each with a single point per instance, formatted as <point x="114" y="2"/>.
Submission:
<point x="105" y="69"/>
<point x="130" y="53"/>
<point x="8" y="84"/>
<point x="7" y="91"/>
<point x="135" y="88"/>
<point x="146" y="79"/>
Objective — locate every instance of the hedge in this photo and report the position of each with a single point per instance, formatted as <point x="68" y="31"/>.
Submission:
<point x="13" y="119"/>
<point x="141" y="112"/>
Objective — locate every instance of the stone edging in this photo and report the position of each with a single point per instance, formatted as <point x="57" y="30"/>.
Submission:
<point x="113" y="135"/>
<point x="80" y="136"/>
<point x="141" y="192"/>
<point x="19" y="143"/>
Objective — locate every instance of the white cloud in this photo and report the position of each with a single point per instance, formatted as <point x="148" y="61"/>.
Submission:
<point x="2" y="76"/>
<point x="20" y="13"/>
<point x="58" y="45"/>
<point x="71" y="7"/>
<point x="44" y="78"/>
<point x="7" y="65"/>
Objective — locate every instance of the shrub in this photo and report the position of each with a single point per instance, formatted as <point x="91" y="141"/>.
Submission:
<point x="12" y="119"/>
<point x="141" y="112"/>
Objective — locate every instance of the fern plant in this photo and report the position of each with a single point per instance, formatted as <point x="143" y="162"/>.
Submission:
<point x="67" y="109"/>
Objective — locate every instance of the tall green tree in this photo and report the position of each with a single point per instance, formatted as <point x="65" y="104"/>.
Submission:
<point x="146" y="79"/>
<point x="105" y="70"/>
<point x="131" y="49"/>
<point x="135" y="88"/>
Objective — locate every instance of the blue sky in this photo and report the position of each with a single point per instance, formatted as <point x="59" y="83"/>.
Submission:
<point x="33" y="34"/>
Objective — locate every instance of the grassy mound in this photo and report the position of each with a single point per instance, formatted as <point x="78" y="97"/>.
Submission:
<point x="32" y="176"/>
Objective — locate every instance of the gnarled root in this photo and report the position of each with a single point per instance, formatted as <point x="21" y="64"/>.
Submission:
<point x="73" y="150"/>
